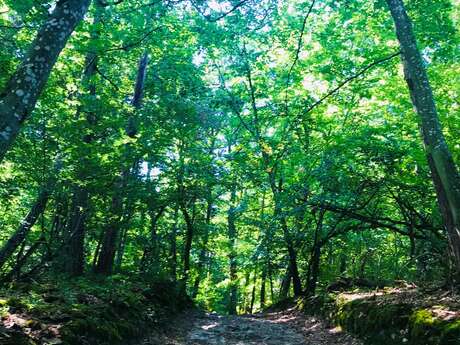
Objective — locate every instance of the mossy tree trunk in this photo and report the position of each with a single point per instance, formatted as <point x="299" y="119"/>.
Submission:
<point x="18" y="99"/>
<point x="444" y="172"/>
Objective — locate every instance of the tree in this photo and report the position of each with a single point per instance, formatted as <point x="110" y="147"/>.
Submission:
<point x="18" y="98"/>
<point x="444" y="172"/>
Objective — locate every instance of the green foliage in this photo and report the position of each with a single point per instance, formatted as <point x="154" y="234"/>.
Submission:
<point x="232" y="102"/>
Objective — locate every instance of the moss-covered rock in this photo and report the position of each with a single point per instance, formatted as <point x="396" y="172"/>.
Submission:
<point x="426" y="328"/>
<point x="382" y="320"/>
<point x="88" y="310"/>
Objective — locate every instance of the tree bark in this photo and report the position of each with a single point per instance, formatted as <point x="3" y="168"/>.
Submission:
<point x="443" y="169"/>
<point x="23" y="89"/>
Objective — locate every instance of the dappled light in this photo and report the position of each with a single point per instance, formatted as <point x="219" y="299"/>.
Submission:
<point x="241" y="172"/>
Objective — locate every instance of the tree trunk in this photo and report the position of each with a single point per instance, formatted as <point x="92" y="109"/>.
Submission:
<point x="74" y="251"/>
<point x="151" y="251"/>
<point x="315" y="258"/>
<point x="22" y="91"/>
<point x="231" y="227"/>
<point x="285" y="284"/>
<point x="73" y="254"/>
<point x="203" y="252"/>
<point x="253" y="294"/>
<point x="187" y="246"/>
<point x="106" y="256"/>
<point x="262" y="288"/>
<point x="173" y="246"/>
<point x="443" y="169"/>
<point x="279" y="214"/>
<point x="314" y="269"/>
<point x="109" y="244"/>
<point x="20" y="234"/>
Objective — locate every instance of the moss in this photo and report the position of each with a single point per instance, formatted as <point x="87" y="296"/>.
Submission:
<point x="106" y="311"/>
<point x="426" y="329"/>
<point x="377" y="323"/>
<point x="381" y="321"/>
<point x="450" y="334"/>
<point x="17" y="304"/>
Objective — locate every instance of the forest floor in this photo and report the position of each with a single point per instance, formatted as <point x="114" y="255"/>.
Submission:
<point x="277" y="328"/>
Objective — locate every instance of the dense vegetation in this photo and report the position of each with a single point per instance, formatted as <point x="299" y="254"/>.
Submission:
<point x="246" y="150"/>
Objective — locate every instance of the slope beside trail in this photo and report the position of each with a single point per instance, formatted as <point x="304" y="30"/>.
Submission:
<point x="279" y="328"/>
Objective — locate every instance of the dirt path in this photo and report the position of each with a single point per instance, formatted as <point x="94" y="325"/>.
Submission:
<point x="282" y="328"/>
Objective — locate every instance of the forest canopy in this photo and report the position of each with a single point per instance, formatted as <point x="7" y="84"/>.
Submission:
<point x="249" y="150"/>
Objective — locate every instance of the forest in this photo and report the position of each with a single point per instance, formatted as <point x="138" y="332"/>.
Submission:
<point x="169" y="165"/>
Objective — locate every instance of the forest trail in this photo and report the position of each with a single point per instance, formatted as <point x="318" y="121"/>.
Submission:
<point x="279" y="328"/>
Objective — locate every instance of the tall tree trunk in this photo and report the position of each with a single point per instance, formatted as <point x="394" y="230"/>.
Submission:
<point x="111" y="234"/>
<point x="73" y="254"/>
<point x="231" y="228"/>
<point x="443" y="169"/>
<point x="22" y="91"/>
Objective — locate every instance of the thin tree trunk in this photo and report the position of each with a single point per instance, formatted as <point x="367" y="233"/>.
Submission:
<point x="443" y="169"/>
<point x="262" y="288"/>
<point x="16" y="270"/>
<point x="151" y="251"/>
<point x="187" y="246"/>
<point x="203" y="252"/>
<point x="315" y="258"/>
<point x="26" y="225"/>
<point x="173" y="247"/>
<point x="231" y="227"/>
<point x="292" y="255"/>
<point x="270" y="277"/>
<point x="253" y="294"/>
<point x="22" y="91"/>
<point x="20" y="234"/>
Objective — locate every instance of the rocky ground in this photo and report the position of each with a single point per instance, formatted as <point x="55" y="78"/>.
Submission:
<point x="277" y="328"/>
